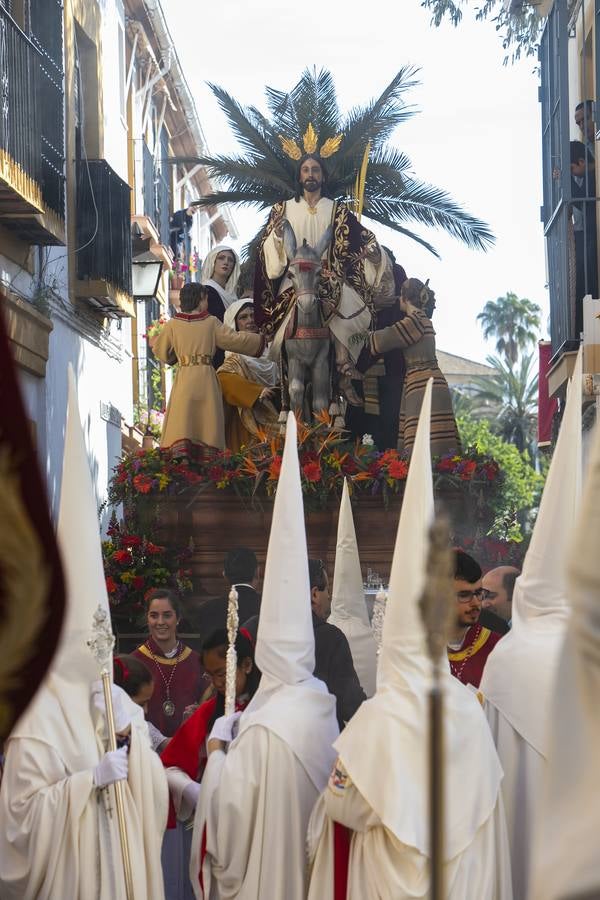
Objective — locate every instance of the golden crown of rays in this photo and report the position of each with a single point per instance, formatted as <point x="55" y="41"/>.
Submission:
<point x="310" y="142"/>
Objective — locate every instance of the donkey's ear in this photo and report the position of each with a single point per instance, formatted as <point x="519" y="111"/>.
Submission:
<point x="289" y="240"/>
<point x="324" y="242"/>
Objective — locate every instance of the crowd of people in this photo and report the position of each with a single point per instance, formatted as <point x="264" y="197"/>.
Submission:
<point x="317" y="784"/>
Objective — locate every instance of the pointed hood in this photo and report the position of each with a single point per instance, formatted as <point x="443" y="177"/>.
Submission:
<point x="403" y="651"/>
<point x="396" y="720"/>
<point x="290" y="701"/>
<point x="530" y="651"/>
<point x="64" y="719"/>
<point x="348" y="607"/>
<point x="540" y="592"/>
<point x="285" y="644"/>
<point x="571" y="783"/>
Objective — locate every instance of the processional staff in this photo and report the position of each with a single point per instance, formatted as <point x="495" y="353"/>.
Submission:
<point x="101" y="646"/>
<point x="436" y="612"/>
<point x="231" y="657"/>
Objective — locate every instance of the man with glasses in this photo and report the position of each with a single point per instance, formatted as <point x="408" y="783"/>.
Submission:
<point x="470" y="642"/>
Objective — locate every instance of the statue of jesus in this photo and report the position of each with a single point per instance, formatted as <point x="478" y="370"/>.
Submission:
<point x="352" y="266"/>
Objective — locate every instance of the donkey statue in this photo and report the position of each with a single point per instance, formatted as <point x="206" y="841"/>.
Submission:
<point x="307" y="339"/>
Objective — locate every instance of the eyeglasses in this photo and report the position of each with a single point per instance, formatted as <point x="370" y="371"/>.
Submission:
<point x="466" y="596"/>
<point x="488" y="595"/>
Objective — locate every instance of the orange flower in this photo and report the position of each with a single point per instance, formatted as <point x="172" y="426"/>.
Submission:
<point x="111" y="585"/>
<point x="142" y="484"/>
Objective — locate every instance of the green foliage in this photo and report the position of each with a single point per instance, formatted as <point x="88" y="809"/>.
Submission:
<point x="520" y="31"/>
<point x="509" y="398"/>
<point x="522" y="486"/>
<point x="263" y="174"/>
<point x="514" y="323"/>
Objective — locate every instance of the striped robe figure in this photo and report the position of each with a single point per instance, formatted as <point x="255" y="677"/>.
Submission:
<point x="415" y="335"/>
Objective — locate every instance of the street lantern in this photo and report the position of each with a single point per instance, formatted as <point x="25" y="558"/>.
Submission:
<point x="146" y="269"/>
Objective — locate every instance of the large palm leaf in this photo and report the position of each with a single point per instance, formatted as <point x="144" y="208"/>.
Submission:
<point x="394" y="197"/>
<point x="509" y="397"/>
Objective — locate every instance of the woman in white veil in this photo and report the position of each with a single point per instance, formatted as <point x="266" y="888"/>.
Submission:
<point x="220" y="274"/>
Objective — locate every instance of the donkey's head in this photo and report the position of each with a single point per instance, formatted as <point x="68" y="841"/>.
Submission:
<point x="304" y="265"/>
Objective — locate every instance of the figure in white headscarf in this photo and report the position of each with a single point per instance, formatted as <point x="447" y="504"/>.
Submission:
<point x="368" y="837"/>
<point x="256" y="800"/>
<point x="519" y="676"/>
<point x="348" y="607"/>
<point x="248" y="385"/>
<point x="59" y="834"/>
<point x="220" y="274"/>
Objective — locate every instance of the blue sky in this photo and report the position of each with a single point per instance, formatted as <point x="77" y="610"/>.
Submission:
<point x="477" y="133"/>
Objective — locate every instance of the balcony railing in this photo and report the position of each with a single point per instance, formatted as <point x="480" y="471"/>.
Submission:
<point x="31" y="130"/>
<point x="103" y="225"/>
<point x="156" y="195"/>
<point x="20" y="142"/>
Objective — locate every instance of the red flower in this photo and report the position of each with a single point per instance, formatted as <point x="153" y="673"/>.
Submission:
<point x="153" y="548"/>
<point x="122" y="556"/>
<point x="131" y="540"/>
<point x="446" y="464"/>
<point x="111" y="585"/>
<point x="275" y="468"/>
<point x="374" y="468"/>
<point x="467" y="467"/>
<point x="388" y="457"/>
<point x="216" y="473"/>
<point x="312" y="471"/>
<point x="121" y="477"/>
<point x="398" y="469"/>
<point x="142" y="484"/>
<point x="349" y="466"/>
<point x="138" y="582"/>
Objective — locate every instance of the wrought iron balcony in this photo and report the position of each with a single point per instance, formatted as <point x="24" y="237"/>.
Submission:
<point x="103" y="237"/>
<point x="31" y="136"/>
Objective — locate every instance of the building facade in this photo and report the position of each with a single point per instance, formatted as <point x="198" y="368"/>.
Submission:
<point x="99" y="148"/>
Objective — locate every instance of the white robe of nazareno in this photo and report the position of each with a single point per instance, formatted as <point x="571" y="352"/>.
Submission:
<point x="380" y="867"/>
<point x="311" y="226"/>
<point x="522" y="784"/>
<point x="58" y="841"/>
<point x="255" y="819"/>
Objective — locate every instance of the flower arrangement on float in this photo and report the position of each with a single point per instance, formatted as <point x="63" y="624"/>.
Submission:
<point x="326" y="459"/>
<point x="133" y="565"/>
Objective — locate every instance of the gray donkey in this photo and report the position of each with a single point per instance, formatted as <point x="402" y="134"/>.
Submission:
<point x="307" y="339"/>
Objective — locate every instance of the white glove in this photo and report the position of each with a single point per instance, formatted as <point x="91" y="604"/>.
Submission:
<point x="225" y="728"/>
<point x="121" y="705"/>
<point x="191" y="792"/>
<point x="114" y="766"/>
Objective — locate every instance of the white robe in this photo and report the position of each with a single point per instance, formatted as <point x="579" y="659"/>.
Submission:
<point x="255" y="803"/>
<point x="524" y="770"/>
<point x="57" y="841"/>
<point x="311" y="227"/>
<point x="380" y="867"/>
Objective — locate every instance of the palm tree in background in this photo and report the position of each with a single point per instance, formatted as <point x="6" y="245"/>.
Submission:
<point x="263" y="174"/>
<point x="514" y="323"/>
<point x="509" y="399"/>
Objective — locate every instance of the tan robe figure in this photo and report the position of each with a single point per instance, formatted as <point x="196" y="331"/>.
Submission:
<point x="194" y="420"/>
<point x="415" y="335"/>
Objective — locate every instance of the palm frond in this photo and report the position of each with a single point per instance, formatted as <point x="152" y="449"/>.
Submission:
<point x="239" y="173"/>
<point x="383" y="219"/>
<point x="431" y="205"/>
<point x="314" y="100"/>
<point x="256" y="196"/>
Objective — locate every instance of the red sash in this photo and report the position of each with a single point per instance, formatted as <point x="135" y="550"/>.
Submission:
<point x="341" y="858"/>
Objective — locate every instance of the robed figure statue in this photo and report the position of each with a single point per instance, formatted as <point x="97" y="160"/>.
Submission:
<point x="351" y="265"/>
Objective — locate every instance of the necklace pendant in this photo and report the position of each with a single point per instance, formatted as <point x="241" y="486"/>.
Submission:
<point x="312" y="210"/>
<point x="168" y="708"/>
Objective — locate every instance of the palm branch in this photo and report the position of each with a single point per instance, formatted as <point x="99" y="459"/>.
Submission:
<point x="263" y="174"/>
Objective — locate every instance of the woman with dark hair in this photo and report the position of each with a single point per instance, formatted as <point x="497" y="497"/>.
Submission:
<point x="134" y="676"/>
<point x="178" y="675"/>
<point x="185" y="757"/>
<point x="194" y="424"/>
<point x="415" y="336"/>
